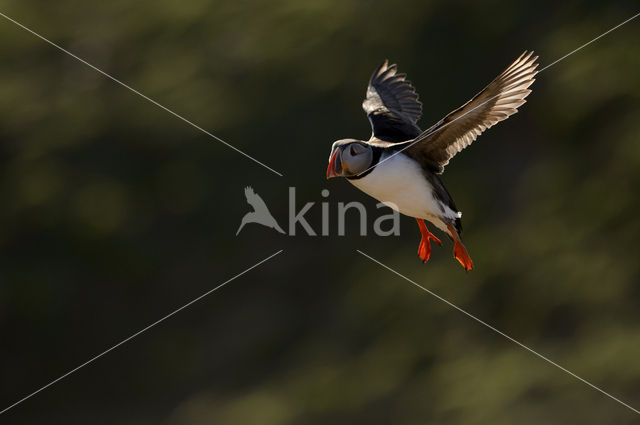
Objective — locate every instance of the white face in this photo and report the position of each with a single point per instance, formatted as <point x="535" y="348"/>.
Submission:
<point x="349" y="157"/>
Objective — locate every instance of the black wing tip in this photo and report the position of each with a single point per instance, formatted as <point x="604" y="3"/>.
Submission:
<point x="383" y="71"/>
<point x="379" y="70"/>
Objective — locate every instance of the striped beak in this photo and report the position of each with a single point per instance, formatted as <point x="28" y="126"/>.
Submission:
<point x="335" y="165"/>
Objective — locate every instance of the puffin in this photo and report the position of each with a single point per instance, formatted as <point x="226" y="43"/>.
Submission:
<point x="400" y="164"/>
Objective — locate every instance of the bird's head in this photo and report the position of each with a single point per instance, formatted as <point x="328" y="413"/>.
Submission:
<point x="349" y="157"/>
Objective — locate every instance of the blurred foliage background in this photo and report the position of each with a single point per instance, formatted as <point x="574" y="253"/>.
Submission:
<point x="114" y="213"/>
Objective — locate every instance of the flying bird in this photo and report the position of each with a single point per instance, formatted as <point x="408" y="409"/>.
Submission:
<point x="260" y="213"/>
<point x="399" y="165"/>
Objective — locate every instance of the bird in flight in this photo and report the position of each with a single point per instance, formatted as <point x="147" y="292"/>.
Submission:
<point x="399" y="165"/>
<point x="260" y="213"/>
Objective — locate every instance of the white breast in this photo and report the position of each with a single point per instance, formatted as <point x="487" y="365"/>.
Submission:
<point x="399" y="183"/>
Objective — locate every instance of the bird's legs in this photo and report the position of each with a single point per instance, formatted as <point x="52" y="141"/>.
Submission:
<point x="424" y="249"/>
<point x="459" y="251"/>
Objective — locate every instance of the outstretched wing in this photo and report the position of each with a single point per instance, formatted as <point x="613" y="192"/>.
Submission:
<point x="254" y="199"/>
<point x="499" y="100"/>
<point x="392" y="105"/>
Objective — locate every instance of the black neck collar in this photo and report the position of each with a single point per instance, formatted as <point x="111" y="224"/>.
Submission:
<point x="377" y="153"/>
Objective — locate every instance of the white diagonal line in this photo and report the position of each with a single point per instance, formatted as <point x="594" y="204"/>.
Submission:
<point x="499" y="332"/>
<point x="175" y="114"/>
<point x="91" y="360"/>
<point x="493" y="97"/>
<point x="586" y="44"/>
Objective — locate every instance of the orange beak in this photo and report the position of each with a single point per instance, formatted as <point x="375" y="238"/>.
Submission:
<point x="331" y="169"/>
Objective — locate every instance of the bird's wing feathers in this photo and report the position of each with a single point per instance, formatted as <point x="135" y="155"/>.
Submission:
<point x="499" y="100"/>
<point x="249" y="194"/>
<point x="254" y="199"/>
<point x="392" y="105"/>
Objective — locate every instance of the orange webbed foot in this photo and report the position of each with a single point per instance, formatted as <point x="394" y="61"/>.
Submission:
<point x="424" y="249"/>
<point x="459" y="251"/>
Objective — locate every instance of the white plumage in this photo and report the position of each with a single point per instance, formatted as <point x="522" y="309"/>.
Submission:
<point x="399" y="182"/>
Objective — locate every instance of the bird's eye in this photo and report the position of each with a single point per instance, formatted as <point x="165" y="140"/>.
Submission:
<point x="352" y="150"/>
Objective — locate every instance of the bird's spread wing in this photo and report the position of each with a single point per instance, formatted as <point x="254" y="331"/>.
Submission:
<point x="249" y="194"/>
<point x="392" y="105"/>
<point x="499" y="100"/>
<point x="254" y="199"/>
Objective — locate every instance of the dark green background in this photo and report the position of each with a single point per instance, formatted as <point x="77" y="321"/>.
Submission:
<point x="114" y="213"/>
